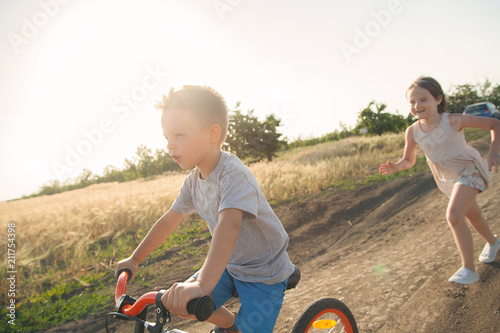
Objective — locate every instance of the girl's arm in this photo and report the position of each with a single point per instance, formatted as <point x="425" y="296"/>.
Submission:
<point x="409" y="156"/>
<point x="459" y="121"/>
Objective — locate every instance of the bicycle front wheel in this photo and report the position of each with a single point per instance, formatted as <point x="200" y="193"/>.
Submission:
<point x="326" y="315"/>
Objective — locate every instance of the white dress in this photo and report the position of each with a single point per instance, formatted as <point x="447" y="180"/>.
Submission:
<point x="449" y="156"/>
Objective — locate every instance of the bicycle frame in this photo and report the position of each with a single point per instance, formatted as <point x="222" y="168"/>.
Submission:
<point x="322" y="315"/>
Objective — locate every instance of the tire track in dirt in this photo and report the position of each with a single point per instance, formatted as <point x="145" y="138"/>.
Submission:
<point x="387" y="252"/>
<point x="392" y="269"/>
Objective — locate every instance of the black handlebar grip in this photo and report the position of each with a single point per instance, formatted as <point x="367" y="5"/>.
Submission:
<point x="125" y="270"/>
<point x="202" y="307"/>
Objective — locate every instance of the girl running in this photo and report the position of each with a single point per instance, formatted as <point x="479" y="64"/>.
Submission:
<point x="459" y="170"/>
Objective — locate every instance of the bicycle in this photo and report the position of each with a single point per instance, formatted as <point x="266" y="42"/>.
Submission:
<point x="324" y="315"/>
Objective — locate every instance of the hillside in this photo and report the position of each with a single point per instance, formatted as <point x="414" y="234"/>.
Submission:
<point x="383" y="249"/>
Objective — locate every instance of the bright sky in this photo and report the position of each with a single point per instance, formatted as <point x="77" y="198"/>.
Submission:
<point x="78" y="79"/>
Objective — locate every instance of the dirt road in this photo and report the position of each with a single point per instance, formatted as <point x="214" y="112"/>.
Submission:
<point x="387" y="252"/>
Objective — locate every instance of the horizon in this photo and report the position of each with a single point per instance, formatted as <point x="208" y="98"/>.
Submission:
<point x="84" y="76"/>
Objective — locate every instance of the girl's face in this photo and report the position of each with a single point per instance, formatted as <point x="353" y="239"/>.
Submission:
<point x="186" y="138"/>
<point x="422" y="104"/>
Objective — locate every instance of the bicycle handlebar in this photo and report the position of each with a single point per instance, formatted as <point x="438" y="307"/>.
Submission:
<point x="202" y="307"/>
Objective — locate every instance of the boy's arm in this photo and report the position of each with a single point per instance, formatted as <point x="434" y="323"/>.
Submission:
<point x="221" y="249"/>
<point x="158" y="233"/>
<point x="223" y="242"/>
<point x="409" y="156"/>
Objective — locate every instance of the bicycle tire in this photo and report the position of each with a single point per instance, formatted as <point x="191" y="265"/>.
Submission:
<point x="326" y="311"/>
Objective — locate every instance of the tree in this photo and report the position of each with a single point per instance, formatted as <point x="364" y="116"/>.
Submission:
<point x="251" y="139"/>
<point x="85" y="178"/>
<point x="378" y="122"/>
<point x="112" y="174"/>
<point x="145" y="162"/>
<point x="463" y="95"/>
<point x="494" y="96"/>
<point x="466" y="94"/>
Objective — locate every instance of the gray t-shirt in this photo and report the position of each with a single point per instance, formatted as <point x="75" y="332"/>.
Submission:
<point x="260" y="251"/>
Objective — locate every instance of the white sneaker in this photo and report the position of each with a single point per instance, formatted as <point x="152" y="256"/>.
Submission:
<point x="489" y="252"/>
<point x="464" y="276"/>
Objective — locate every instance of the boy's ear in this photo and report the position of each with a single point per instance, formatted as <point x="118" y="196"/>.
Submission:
<point x="214" y="133"/>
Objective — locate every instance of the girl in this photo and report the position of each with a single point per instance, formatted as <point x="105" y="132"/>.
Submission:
<point x="459" y="170"/>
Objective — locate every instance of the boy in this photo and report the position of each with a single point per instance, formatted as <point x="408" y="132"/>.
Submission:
<point x="248" y="249"/>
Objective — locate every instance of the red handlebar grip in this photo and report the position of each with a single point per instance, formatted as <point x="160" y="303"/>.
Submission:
<point x="121" y="285"/>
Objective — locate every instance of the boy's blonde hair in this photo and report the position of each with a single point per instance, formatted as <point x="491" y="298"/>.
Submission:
<point x="203" y="102"/>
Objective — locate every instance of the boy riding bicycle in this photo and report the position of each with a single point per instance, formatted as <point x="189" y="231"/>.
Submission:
<point x="248" y="249"/>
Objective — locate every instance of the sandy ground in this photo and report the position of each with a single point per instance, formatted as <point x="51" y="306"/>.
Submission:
<point x="384" y="250"/>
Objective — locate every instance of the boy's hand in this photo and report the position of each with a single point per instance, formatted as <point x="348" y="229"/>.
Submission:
<point x="493" y="161"/>
<point x="388" y="168"/>
<point x="130" y="263"/>
<point x="178" y="296"/>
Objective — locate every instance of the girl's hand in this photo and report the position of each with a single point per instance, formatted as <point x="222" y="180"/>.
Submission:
<point x="493" y="161"/>
<point x="178" y="296"/>
<point x="130" y="263"/>
<point x="388" y="168"/>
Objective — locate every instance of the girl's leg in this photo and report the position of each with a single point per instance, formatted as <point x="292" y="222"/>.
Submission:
<point x="461" y="200"/>
<point x="479" y="223"/>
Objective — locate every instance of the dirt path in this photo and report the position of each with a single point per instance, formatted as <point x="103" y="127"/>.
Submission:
<point x="387" y="252"/>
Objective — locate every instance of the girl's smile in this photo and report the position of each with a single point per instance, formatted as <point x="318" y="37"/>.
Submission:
<point x="422" y="104"/>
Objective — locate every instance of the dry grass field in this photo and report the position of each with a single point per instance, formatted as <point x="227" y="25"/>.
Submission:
<point x="66" y="242"/>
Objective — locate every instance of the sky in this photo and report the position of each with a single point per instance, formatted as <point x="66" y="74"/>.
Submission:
<point x="79" y="78"/>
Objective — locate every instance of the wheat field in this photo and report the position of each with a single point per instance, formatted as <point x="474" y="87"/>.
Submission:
<point x="62" y="235"/>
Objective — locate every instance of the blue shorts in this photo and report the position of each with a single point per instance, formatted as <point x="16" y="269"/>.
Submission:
<point x="260" y="303"/>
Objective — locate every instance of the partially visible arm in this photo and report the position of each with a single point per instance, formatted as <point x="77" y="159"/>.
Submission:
<point x="158" y="233"/>
<point x="486" y="123"/>
<point x="409" y="156"/>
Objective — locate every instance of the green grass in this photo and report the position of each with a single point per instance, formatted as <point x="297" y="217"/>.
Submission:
<point x="70" y="300"/>
<point x="67" y="301"/>
<point x="472" y="134"/>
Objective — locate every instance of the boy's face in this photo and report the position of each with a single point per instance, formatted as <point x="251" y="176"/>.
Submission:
<point x="188" y="140"/>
